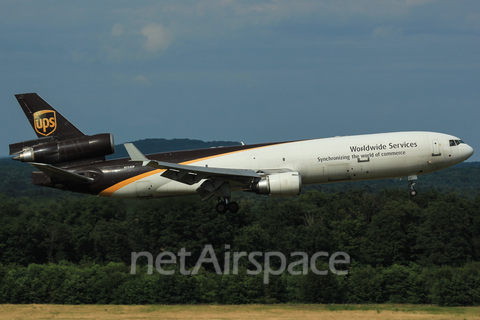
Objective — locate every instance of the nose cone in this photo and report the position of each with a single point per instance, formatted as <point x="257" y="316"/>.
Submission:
<point x="467" y="151"/>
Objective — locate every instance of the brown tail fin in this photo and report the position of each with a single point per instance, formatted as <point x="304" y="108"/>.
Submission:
<point x="45" y="120"/>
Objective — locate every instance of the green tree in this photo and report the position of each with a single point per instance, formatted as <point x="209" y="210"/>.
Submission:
<point x="391" y="235"/>
<point x="445" y="236"/>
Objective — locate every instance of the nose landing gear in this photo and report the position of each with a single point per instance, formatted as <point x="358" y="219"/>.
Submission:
<point x="411" y="180"/>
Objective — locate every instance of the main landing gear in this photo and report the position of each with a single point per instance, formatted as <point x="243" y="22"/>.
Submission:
<point x="224" y="205"/>
<point x="411" y="180"/>
<point x="221" y="189"/>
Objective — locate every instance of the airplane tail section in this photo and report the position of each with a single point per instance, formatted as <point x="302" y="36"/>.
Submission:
<point x="45" y="120"/>
<point x="59" y="141"/>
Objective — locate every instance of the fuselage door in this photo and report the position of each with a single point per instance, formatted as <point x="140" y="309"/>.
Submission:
<point x="436" y="149"/>
<point x="144" y="189"/>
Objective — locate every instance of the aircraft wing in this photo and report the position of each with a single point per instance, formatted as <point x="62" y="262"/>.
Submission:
<point x="58" y="173"/>
<point x="191" y="174"/>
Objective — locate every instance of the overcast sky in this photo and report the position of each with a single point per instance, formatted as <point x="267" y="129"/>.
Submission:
<point x="251" y="71"/>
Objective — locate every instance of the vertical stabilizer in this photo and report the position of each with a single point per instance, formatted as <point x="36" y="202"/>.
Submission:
<point x="45" y="120"/>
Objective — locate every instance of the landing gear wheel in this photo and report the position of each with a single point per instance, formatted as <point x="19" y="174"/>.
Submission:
<point x="411" y="180"/>
<point x="233" y="207"/>
<point x="221" y="207"/>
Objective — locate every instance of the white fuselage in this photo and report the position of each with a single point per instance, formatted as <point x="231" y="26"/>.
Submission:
<point x="328" y="160"/>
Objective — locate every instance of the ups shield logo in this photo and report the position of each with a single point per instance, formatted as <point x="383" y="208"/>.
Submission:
<point x="45" y="122"/>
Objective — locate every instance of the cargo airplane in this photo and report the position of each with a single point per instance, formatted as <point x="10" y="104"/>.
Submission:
<point x="68" y="159"/>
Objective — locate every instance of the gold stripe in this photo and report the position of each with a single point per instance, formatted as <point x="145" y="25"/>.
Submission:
<point x="110" y="190"/>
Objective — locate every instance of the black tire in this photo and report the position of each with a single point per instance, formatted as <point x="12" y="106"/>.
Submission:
<point x="221" y="207"/>
<point x="233" y="207"/>
<point x="413" y="193"/>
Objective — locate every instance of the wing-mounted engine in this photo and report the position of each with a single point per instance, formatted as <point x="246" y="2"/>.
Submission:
<point x="284" y="184"/>
<point x="50" y="151"/>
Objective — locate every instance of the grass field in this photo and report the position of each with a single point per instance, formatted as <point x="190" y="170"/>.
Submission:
<point x="263" y="312"/>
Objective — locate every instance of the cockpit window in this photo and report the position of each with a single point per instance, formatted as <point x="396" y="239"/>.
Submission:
<point x="454" y="143"/>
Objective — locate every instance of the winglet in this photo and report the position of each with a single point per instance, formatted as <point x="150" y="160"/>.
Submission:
<point x="135" y="154"/>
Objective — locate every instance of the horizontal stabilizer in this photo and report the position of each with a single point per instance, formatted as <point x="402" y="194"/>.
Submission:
<point x="58" y="173"/>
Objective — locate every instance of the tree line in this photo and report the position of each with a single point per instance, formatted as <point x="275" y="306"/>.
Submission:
<point x="67" y="283"/>
<point x="433" y="229"/>
<point x="407" y="250"/>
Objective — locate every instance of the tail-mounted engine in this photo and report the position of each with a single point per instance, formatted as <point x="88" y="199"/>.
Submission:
<point x="50" y="151"/>
<point x="284" y="184"/>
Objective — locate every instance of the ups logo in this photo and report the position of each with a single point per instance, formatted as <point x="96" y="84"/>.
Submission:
<point x="45" y="122"/>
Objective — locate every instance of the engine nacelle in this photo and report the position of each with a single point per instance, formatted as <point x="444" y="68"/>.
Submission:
<point x="285" y="184"/>
<point x="69" y="150"/>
